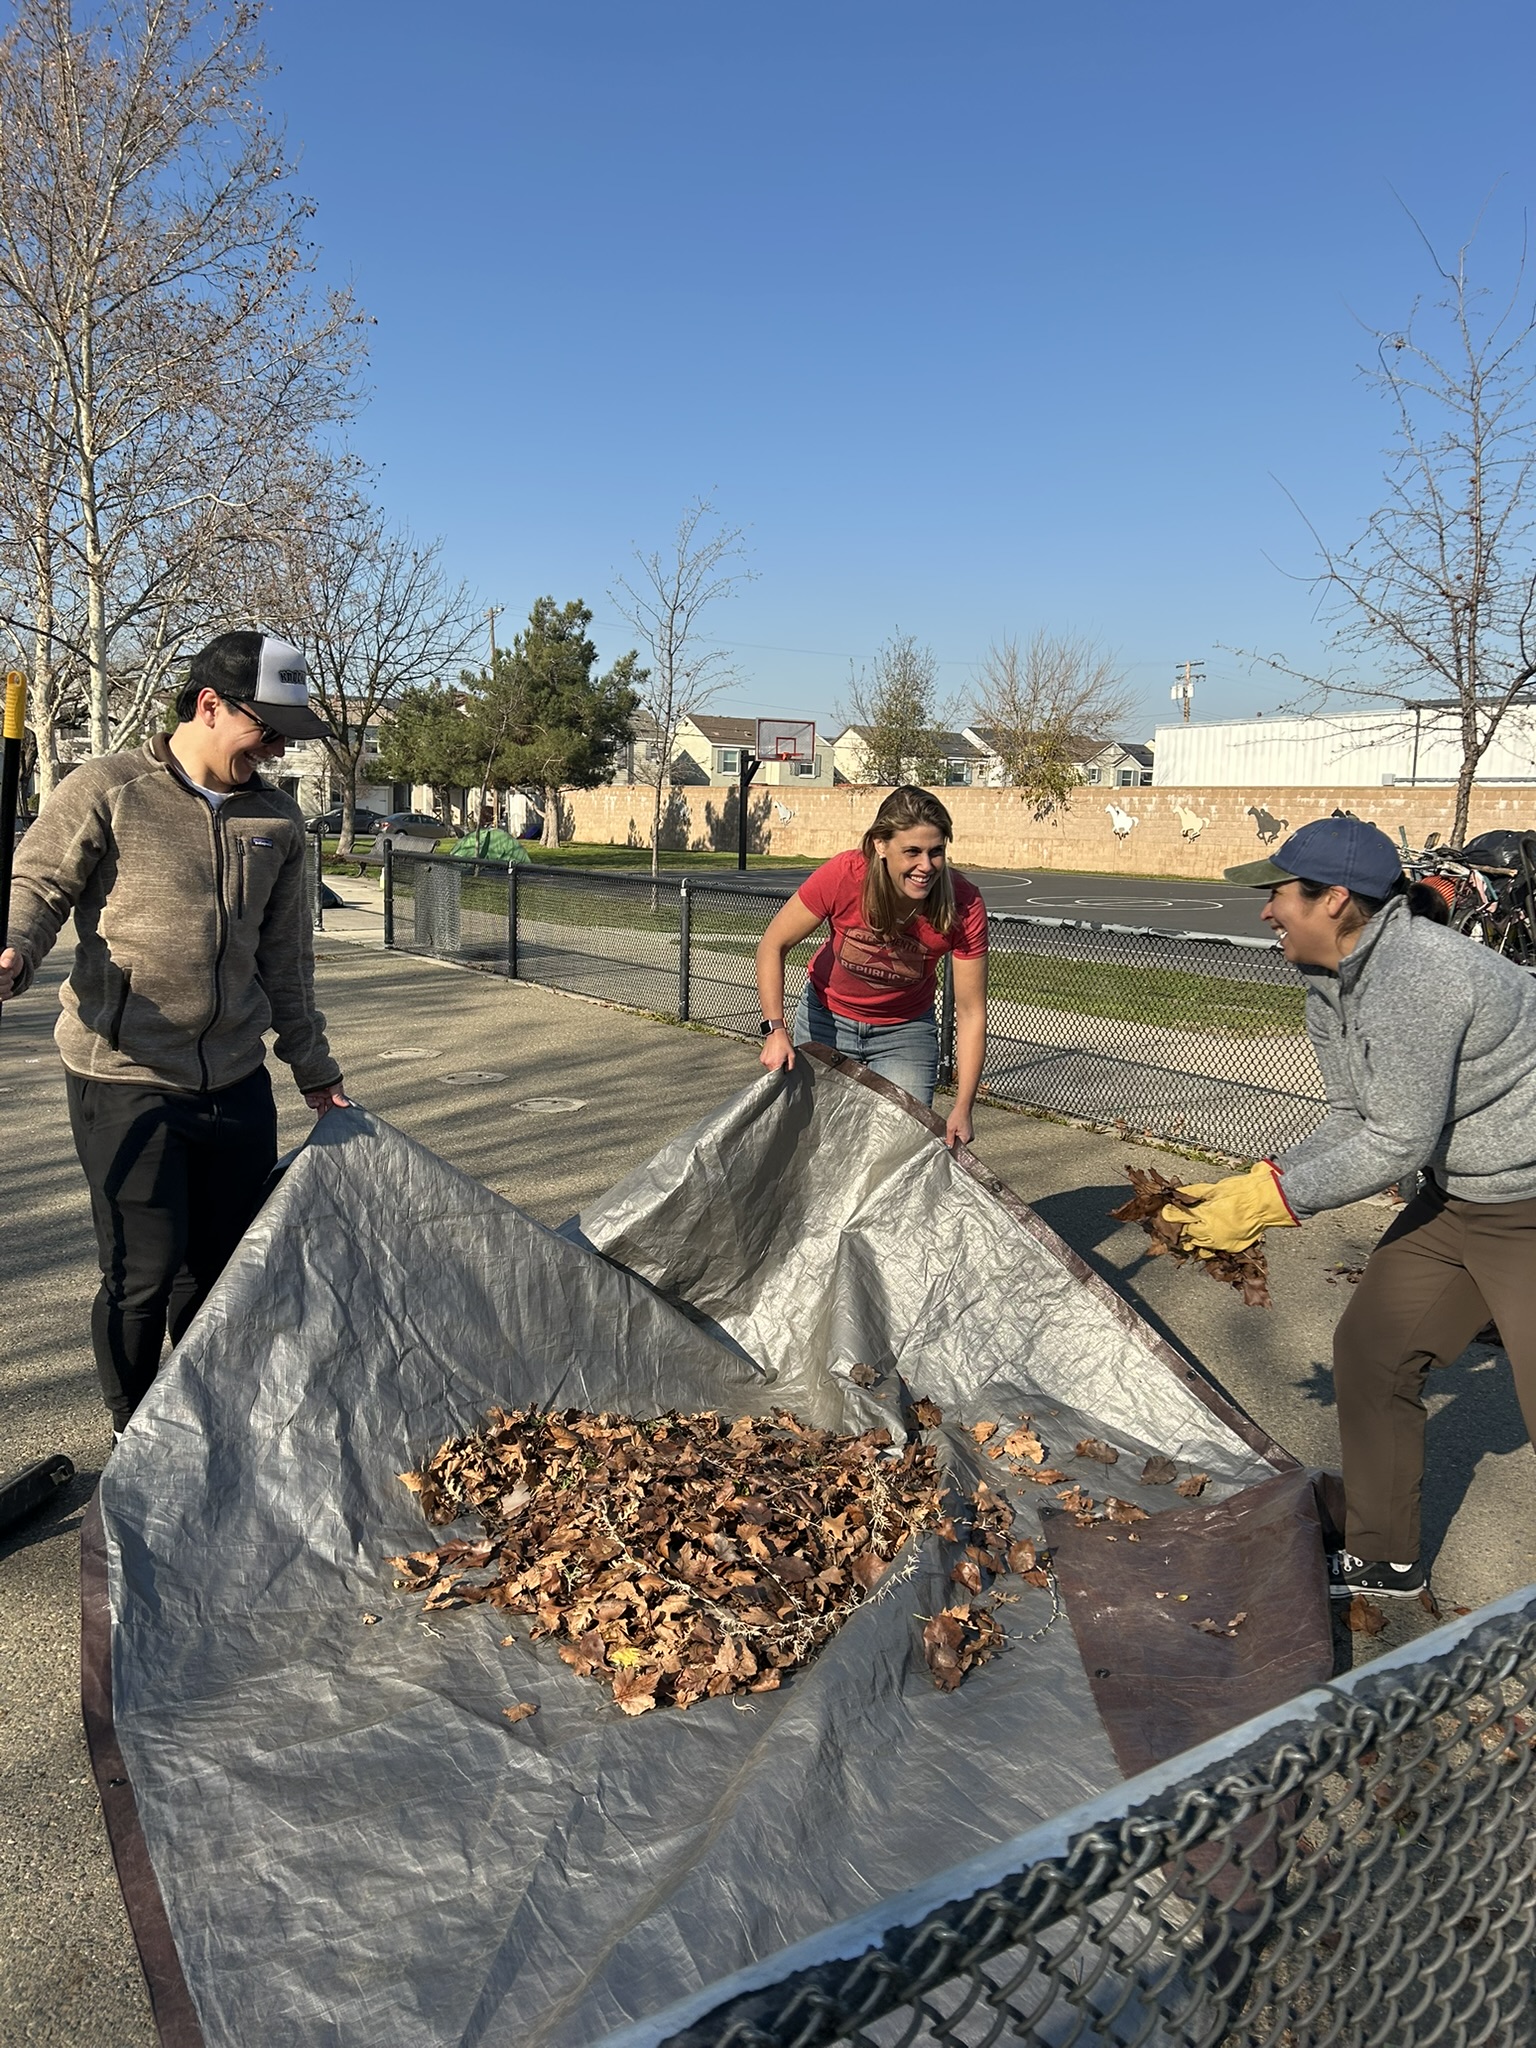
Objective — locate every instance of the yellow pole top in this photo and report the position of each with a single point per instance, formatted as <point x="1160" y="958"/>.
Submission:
<point x="15" y="704"/>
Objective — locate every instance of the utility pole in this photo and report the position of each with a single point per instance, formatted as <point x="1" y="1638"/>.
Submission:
<point x="1189" y="673"/>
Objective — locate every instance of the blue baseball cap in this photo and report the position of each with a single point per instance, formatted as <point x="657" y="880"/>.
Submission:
<point x="1345" y="853"/>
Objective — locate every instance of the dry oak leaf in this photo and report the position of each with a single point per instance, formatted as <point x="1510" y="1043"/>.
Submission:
<point x="1022" y="1556"/>
<point x="1075" y="1501"/>
<point x="982" y="1430"/>
<point x="521" y="1711"/>
<point x="1158" y="1471"/>
<point x="1364" y="1617"/>
<point x="1100" y="1452"/>
<point x="635" y="1691"/>
<point x="942" y="1641"/>
<point x="956" y="1639"/>
<point x="1023" y="1443"/>
<point x="1215" y="1628"/>
<point x="863" y="1375"/>
<point x="1194" y="1485"/>
<point x="967" y="1573"/>
<point x="1123" y="1510"/>
<point x="927" y="1414"/>
<point x="1046" y="1476"/>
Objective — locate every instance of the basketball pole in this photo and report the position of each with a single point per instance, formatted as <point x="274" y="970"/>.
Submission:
<point x="749" y="767"/>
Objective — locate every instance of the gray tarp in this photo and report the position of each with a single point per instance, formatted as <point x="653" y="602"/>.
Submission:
<point x="327" y="1832"/>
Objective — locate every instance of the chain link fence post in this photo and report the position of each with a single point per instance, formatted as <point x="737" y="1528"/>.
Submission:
<point x="946" y="1073"/>
<point x="319" y="900"/>
<point x="684" y="963"/>
<point x="512" y="921"/>
<point x="389" y="892"/>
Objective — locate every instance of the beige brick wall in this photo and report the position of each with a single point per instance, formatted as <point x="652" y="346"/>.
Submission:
<point x="1193" y="832"/>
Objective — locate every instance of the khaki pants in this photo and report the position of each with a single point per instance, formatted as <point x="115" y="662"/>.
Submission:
<point x="1440" y="1272"/>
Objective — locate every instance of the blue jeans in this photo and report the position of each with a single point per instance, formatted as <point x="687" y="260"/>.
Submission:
<point x="907" y="1054"/>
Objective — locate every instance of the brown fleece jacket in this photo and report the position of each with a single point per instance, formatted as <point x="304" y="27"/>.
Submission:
<point x="193" y="926"/>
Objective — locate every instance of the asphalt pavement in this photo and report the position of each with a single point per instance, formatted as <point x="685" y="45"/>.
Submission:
<point x="468" y="1064"/>
<point x="1144" y="902"/>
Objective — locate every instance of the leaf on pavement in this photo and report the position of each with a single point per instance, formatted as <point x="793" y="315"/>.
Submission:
<point x="1364" y="1617"/>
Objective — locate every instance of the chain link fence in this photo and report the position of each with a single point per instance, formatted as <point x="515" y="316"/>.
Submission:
<point x="1180" y="1036"/>
<point x="1177" y="1036"/>
<point x="1358" y="1868"/>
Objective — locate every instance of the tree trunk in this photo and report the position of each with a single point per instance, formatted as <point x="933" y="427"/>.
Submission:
<point x="348" y="804"/>
<point x="98" y="685"/>
<point x="41" y="705"/>
<point x="551" y="833"/>
<point x="656" y="824"/>
<point x="1463" y="798"/>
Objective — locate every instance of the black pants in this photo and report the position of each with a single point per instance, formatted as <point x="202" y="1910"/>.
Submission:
<point x="175" y="1180"/>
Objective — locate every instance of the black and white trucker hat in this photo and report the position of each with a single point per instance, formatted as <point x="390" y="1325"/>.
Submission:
<point x="267" y="674"/>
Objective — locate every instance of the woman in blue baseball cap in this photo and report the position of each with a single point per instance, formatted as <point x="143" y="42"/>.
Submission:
<point x="1427" y="1045"/>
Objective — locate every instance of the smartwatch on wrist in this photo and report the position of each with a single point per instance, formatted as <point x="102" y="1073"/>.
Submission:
<point x="772" y="1024"/>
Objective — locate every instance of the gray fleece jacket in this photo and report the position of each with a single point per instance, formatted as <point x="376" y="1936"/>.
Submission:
<point x="1427" y="1044"/>
<point x="193" y="926"/>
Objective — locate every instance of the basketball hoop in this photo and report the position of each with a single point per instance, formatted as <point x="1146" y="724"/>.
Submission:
<point x="786" y="739"/>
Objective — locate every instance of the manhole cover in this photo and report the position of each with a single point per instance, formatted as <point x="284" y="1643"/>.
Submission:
<point x="404" y="1052"/>
<point x="549" y="1105"/>
<point x="470" y="1076"/>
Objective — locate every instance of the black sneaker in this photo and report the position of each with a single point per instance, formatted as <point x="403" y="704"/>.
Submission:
<point x="1349" y="1575"/>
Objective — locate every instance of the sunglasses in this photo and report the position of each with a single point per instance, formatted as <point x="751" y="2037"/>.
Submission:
<point x="269" y="734"/>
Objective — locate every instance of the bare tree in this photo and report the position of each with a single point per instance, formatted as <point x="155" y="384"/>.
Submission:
<point x="665" y="603"/>
<point x="375" y="616"/>
<point x="1438" y="592"/>
<point x="34" y="451"/>
<point x="1044" y="708"/>
<point x="151" y="242"/>
<point x="894" y="702"/>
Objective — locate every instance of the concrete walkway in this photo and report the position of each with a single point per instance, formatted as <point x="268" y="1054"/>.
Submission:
<point x="465" y="1063"/>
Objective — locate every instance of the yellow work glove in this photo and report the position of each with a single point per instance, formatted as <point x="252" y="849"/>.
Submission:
<point x="1231" y="1214"/>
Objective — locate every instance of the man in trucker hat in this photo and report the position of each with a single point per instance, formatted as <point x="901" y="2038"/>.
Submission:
<point x="184" y="871"/>
<point x="1427" y="1045"/>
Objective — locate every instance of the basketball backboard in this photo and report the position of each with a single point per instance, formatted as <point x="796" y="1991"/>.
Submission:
<point x="786" y="739"/>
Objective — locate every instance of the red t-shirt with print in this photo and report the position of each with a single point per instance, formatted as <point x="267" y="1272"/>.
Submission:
<point x="872" y="979"/>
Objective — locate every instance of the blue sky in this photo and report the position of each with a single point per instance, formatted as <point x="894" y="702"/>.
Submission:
<point x="978" y="317"/>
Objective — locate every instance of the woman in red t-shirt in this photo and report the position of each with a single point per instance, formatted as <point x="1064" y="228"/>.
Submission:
<point x="895" y="908"/>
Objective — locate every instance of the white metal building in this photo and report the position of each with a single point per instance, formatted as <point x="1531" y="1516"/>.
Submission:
<point x="1358" y="749"/>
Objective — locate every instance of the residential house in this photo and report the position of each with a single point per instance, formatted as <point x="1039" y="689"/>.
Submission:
<point x="1120" y="764"/>
<point x="708" y="754"/>
<point x="1109" y="764"/>
<point x="962" y="758"/>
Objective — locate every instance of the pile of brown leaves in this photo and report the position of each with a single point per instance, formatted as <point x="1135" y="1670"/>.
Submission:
<point x="1246" y="1271"/>
<point x="682" y="1557"/>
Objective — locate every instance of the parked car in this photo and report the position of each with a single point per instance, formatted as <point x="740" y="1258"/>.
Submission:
<point x="329" y="822"/>
<point x="417" y="823"/>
